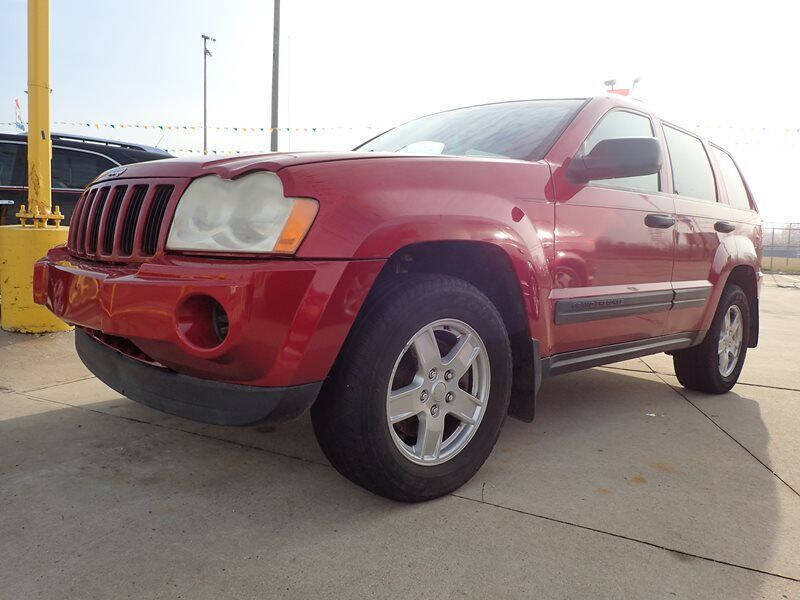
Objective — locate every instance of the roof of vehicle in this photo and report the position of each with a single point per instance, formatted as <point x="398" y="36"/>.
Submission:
<point x="123" y="152"/>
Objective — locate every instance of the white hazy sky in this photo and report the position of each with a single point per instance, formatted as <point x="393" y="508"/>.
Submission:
<point x="725" y="68"/>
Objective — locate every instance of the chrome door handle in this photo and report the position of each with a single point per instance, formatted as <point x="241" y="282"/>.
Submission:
<point x="659" y="221"/>
<point x="724" y="226"/>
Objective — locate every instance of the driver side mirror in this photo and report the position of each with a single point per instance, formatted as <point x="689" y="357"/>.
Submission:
<point x="618" y="157"/>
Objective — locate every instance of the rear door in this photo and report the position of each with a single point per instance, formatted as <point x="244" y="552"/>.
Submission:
<point x="699" y="213"/>
<point x="613" y="249"/>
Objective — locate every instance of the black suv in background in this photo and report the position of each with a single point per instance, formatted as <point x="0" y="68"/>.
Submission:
<point x="76" y="161"/>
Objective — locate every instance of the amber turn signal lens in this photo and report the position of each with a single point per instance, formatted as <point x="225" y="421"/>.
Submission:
<point x="298" y="224"/>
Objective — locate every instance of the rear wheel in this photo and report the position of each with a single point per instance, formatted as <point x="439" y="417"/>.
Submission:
<point x="417" y="398"/>
<point x="714" y="365"/>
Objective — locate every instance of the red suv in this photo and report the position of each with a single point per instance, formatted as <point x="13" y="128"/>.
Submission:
<point x="415" y="291"/>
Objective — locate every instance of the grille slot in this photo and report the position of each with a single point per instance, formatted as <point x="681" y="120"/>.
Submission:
<point x="155" y="218"/>
<point x="94" y="227"/>
<point x="131" y="219"/>
<point x="111" y="219"/>
<point x="76" y="220"/>
<point x="80" y="237"/>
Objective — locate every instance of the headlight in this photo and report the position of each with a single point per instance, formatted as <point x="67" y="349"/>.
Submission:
<point x="249" y="214"/>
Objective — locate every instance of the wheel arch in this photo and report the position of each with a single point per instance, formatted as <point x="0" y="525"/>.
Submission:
<point x="745" y="277"/>
<point x="735" y="261"/>
<point x="488" y="267"/>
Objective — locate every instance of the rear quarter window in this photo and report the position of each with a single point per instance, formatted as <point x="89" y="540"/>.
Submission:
<point x="732" y="179"/>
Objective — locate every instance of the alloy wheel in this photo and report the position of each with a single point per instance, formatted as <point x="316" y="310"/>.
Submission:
<point x="730" y="340"/>
<point x="438" y="392"/>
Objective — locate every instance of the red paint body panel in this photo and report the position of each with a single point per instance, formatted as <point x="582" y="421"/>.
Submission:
<point x="288" y="319"/>
<point x="290" y="316"/>
<point x="376" y="207"/>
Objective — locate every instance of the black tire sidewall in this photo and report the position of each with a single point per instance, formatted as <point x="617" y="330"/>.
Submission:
<point x="732" y="295"/>
<point x="375" y="347"/>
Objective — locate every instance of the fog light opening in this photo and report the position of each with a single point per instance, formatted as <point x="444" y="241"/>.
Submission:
<point x="219" y="319"/>
<point x="202" y="322"/>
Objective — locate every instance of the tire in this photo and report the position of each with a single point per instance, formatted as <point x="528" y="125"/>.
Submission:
<point x="351" y="418"/>
<point x="700" y="367"/>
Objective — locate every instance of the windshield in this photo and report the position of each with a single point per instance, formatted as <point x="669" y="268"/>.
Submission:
<point x="522" y="130"/>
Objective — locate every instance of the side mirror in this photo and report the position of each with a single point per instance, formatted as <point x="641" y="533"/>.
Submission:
<point x="620" y="157"/>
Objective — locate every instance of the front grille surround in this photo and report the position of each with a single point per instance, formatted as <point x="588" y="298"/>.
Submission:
<point x="124" y="220"/>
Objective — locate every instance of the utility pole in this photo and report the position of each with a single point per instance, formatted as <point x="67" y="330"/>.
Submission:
<point x="206" y="54"/>
<point x="276" y="40"/>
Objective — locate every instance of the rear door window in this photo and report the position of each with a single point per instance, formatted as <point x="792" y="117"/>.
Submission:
<point x="74" y="169"/>
<point x="734" y="185"/>
<point x="12" y="164"/>
<point x="622" y="124"/>
<point x="691" y="171"/>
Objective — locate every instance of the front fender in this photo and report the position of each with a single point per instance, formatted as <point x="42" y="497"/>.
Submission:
<point x="372" y="208"/>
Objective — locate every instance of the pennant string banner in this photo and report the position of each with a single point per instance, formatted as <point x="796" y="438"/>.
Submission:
<point x="752" y="136"/>
<point x="214" y="128"/>
<point x="186" y="127"/>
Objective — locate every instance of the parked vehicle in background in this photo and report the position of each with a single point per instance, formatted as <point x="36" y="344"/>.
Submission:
<point x="76" y="161"/>
<point x="415" y="291"/>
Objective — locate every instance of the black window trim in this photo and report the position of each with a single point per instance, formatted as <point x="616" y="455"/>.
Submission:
<point x="672" y="171"/>
<point x="750" y="199"/>
<point x="25" y="187"/>
<point x="607" y="186"/>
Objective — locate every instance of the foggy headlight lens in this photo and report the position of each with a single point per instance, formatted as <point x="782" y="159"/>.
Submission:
<point x="249" y="214"/>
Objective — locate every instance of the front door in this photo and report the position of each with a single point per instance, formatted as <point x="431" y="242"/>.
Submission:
<point x="613" y="250"/>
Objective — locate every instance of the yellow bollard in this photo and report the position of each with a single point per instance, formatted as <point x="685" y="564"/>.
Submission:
<point x="20" y="247"/>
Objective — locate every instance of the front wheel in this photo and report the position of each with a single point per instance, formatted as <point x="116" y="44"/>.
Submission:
<point x="417" y="398"/>
<point x="714" y="365"/>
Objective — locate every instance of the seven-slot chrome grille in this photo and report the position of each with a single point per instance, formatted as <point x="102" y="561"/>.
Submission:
<point x="124" y="220"/>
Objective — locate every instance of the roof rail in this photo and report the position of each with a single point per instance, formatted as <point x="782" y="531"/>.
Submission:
<point x="68" y="137"/>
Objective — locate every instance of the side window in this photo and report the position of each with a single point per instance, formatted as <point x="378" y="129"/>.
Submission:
<point x="74" y="169"/>
<point x="620" y="124"/>
<point x="737" y="192"/>
<point x="12" y="164"/>
<point x="691" y="171"/>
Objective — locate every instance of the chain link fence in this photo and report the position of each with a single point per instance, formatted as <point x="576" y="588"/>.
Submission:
<point x="781" y="247"/>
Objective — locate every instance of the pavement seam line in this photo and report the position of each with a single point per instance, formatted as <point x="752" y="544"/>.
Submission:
<point x="52" y="385"/>
<point x="625" y="537"/>
<point x="654" y="372"/>
<point x="167" y="427"/>
<point x="723" y="430"/>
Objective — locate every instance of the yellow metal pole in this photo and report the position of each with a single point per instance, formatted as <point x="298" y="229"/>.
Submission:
<point x="21" y="246"/>
<point x="40" y="148"/>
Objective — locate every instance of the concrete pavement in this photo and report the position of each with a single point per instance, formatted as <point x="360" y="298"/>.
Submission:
<point x="625" y="486"/>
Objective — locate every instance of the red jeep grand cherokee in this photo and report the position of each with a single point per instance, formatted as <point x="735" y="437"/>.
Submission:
<point x="415" y="291"/>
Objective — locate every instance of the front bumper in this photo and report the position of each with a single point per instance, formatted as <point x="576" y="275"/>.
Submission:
<point x="190" y="397"/>
<point x="287" y="318"/>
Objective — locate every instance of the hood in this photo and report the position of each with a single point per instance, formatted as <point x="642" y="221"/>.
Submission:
<point x="230" y="167"/>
